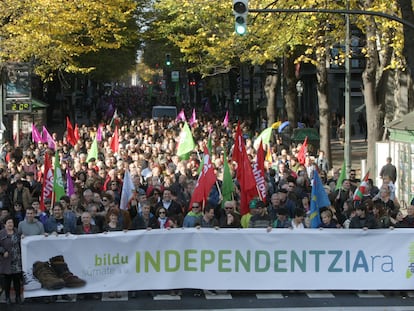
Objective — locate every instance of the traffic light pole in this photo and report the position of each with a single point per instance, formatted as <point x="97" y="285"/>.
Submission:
<point x="347" y="11"/>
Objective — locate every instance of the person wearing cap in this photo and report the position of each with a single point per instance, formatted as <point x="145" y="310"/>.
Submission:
<point x="252" y="211"/>
<point x="261" y="219"/>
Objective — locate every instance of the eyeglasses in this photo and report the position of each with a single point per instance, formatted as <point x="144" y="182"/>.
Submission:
<point x="196" y="206"/>
<point x="104" y="200"/>
<point x="162" y="213"/>
<point x="228" y="207"/>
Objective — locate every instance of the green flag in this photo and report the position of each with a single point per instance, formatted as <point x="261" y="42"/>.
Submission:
<point x="58" y="187"/>
<point x="186" y="141"/>
<point x="227" y="186"/>
<point x="264" y="136"/>
<point x="93" y="152"/>
<point x="341" y="177"/>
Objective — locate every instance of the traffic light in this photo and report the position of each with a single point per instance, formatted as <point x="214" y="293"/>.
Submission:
<point x="168" y="59"/>
<point x="192" y="83"/>
<point x="240" y="10"/>
<point x="237" y="101"/>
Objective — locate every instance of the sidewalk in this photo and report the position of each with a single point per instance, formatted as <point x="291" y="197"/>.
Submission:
<point x="358" y="152"/>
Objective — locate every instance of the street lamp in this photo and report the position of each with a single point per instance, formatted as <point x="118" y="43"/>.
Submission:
<point x="299" y="89"/>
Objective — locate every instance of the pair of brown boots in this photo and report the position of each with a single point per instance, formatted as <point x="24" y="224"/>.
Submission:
<point x="55" y="274"/>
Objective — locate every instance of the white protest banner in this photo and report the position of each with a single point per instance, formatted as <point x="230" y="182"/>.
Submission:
<point x="230" y="259"/>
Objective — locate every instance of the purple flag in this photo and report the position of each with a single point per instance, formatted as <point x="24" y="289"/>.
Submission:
<point x="70" y="188"/>
<point x="193" y="118"/>
<point x="181" y="116"/>
<point x="226" y="119"/>
<point x="47" y="138"/>
<point x="36" y="137"/>
<point x="99" y="133"/>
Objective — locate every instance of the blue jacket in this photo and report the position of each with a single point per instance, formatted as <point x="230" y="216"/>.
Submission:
<point x="69" y="223"/>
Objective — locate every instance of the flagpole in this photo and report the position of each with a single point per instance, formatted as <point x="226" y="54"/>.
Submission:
<point x="260" y="195"/>
<point x="219" y="191"/>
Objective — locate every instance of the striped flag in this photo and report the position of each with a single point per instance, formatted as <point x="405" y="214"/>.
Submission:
<point x="359" y="193"/>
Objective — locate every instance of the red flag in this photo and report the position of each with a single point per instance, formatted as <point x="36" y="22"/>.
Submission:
<point x="302" y="151"/>
<point x="76" y="132"/>
<point x="205" y="181"/>
<point x="258" y="172"/>
<point x="245" y="175"/>
<point x="70" y="135"/>
<point x="115" y="141"/>
<point x="47" y="186"/>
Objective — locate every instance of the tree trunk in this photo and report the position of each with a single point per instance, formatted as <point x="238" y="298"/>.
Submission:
<point x="291" y="96"/>
<point x="408" y="51"/>
<point x="324" y="108"/>
<point x="374" y="124"/>
<point x="270" y="91"/>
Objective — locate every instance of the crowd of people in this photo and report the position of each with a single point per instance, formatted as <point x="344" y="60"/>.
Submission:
<point x="164" y="183"/>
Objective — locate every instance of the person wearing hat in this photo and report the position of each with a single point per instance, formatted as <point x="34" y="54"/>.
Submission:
<point x="252" y="211"/>
<point x="261" y="219"/>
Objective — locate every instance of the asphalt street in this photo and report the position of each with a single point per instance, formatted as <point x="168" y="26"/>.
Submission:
<point x="233" y="300"/>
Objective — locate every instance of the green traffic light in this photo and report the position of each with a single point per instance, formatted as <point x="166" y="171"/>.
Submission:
<point x="241" y="18"/>
<point x="240" y="29"/>
<point x="168" y="60"/>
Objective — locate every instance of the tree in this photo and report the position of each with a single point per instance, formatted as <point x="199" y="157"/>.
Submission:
<point x="383" y="52"/>
<point x="209" y="42"/>
<point x="407" y="14"/>
<point x="56" y="35"/>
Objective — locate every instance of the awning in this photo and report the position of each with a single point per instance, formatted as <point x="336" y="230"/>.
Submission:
<point x="38" y="104"/>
